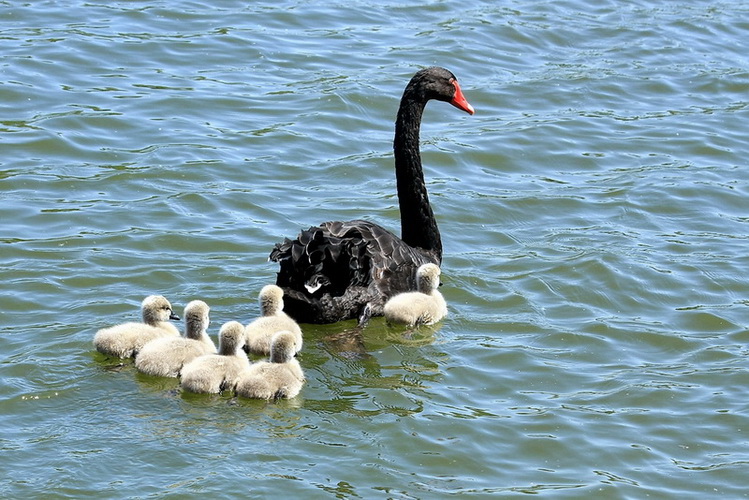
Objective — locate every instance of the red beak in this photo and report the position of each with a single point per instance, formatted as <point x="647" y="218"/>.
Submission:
<point x="459" y="100"/>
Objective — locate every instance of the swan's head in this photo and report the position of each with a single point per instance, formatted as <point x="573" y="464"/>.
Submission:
<point x="156" y="308"/>
<point x="231" y="338"/>
<point x="282" y="347"/>
<point x="439" y="83"/>
<point x="196" y="317"/>
<point x="271" y="300"/>
<point x="428" y="278"/>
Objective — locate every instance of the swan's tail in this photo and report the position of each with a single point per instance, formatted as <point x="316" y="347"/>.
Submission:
<point x="318" y="262"/>
<point x="324" y="275"/>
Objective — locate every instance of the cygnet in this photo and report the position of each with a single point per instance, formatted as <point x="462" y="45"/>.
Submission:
<point x="280" y="377"/>
<point x="423" y="307"/>
<point x="165" y="357"/>
<point x="215" y="373"/>
<point x="258" y="334"/>
<point x="126" y="339"/>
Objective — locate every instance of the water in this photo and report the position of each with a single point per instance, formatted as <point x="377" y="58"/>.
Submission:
<point x="593" y="212"/>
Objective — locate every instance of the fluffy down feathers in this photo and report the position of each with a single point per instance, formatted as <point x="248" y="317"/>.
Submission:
<point x="280" y="377"/>
<point x="423" y="307"/>
<point x="126" y="339"/>
<point x="165" y="357"/>
<point x="215" y="373"/>
<point x="259" y="332"/>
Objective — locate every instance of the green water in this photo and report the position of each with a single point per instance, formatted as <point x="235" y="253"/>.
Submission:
<point x="593" y="213"/>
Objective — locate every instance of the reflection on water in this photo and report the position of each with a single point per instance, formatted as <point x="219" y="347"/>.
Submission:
<point x="355" y="342"/>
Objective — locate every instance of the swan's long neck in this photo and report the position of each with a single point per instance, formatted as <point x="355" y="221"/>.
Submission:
<point x="418" y="225"/>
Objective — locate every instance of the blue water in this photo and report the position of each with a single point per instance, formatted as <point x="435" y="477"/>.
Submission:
<point x="593" y="214"/>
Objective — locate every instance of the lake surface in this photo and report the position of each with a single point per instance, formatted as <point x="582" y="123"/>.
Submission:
<point x="594" y="214"/>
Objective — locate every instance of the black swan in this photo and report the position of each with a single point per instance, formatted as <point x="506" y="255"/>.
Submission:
<point x="343" y="270"/>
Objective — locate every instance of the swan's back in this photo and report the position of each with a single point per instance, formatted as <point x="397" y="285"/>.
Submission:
<point x="264" y="380"/>
<point x="415" y="308"/>
<point x="259" y="333"/>
<point x="125" y="340"/>
<point x="165" y="357"/>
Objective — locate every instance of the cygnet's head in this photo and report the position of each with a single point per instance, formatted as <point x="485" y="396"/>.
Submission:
<point x="271" y="300"/>
<point x="428" y="278"/>
<point x="156" y="308"/>
<point x="196" y="318"/>
<point x="230" y="338"/>
<point x="282" y="347"/>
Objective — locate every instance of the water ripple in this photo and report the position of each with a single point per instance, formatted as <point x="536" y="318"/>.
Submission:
<point x="593" y="214"/>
